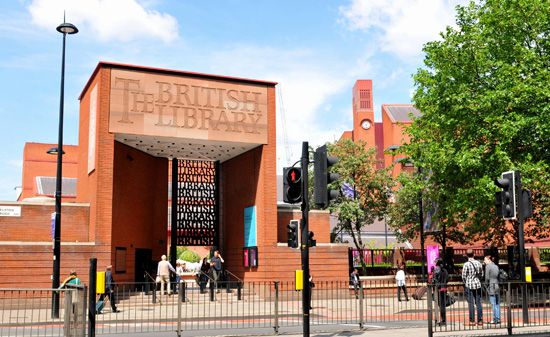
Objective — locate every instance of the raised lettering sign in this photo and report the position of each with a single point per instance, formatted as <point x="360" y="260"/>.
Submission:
<point x="185" y="107"/>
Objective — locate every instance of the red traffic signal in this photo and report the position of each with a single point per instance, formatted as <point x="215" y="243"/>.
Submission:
<point x="292" y="185"/>
<point x="294" y="175"/>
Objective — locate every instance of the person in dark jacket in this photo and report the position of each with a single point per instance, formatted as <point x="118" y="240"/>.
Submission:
<point x="203" y="275"/>
<point x="440" y="279"/>
<point x="110" y="291"/>
<point x="491" y="281"/>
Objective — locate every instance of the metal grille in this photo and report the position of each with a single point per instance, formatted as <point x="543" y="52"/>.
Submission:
<point x="197" y="203"/>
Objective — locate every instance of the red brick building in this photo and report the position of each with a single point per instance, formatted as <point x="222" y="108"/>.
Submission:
<point x="386" y="136"/>
<point x="135" y="122"/>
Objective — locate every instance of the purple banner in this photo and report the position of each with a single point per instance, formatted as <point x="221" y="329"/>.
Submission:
<point x="431" y="255"/>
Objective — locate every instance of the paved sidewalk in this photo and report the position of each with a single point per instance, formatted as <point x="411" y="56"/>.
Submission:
<point x="389" y="330"/>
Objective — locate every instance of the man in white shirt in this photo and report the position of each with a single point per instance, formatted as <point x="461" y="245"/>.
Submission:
<point x="163" y="271"/>
<point x="400" y="280"/>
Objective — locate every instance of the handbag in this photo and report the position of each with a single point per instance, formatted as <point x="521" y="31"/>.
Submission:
<point x="449" y="299"/>
<point x="157" y="280"/>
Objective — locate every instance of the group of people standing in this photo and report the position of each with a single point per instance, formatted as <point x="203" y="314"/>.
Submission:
<point x="475" y="278"/>
<point x="209" y="269"/>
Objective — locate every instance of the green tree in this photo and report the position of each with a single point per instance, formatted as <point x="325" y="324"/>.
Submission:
<point x="185" y="254"/>
<point x="372" y="189"/>
<point x="485" y="103"/>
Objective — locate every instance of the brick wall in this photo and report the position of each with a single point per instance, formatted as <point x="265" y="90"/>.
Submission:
<point x="34" y="224"/>
<point x="96" y="187"/>
<point x="319" y="223"/>
<point x="26" y="248"/>
<point x="30" y="265"/>
<point x="248" y="180"/>
<point x="140" y="205"/>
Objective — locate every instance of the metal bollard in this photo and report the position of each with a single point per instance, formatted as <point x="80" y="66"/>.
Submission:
<point x="183" y="287"/>
<point x="276" y="323"/>
<point x="509" y="309"/>
<point x="154" y="297"/>
<point x="361" y="297"/>
<point x="181" y="299"/>
<point x="92" y="297"/>
<point x="212" y="286"/>
<point x="430" y="311"/>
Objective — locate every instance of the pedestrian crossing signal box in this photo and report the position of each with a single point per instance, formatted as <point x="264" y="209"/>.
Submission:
<point x="299" y="280"/>
<point x="100" y="282"/>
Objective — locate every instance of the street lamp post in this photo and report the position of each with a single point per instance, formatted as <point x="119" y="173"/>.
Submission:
<point x="64" y="28"/>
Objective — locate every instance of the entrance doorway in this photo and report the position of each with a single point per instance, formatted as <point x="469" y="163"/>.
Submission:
<point x="145" y="269"/>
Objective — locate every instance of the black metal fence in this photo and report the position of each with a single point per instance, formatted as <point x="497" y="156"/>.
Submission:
<point x="27" y="312"/>
<point x="515" y="305"/>
<point x="269" y="305"/>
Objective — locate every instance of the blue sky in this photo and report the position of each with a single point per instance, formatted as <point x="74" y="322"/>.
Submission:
<point x="314" y="49"/>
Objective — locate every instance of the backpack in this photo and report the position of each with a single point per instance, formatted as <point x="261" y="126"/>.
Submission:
<point x="502" y="276"/>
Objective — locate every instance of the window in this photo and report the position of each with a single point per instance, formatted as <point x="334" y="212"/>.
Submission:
<point x="364" y="99"/>
<point x="120" y="260"/>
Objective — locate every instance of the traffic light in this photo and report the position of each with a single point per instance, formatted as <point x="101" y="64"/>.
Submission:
<point x="311" y="242"/>
<point x="292" y="185"/>
<point x="508" y="195"/>
<point x="292" y="234"/>
<point x="323" y="195"/>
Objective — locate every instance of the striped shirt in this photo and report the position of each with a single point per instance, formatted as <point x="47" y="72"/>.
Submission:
<point x="469" y="271"/>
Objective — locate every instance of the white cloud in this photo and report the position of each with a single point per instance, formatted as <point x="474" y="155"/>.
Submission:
<point x="306" y="83"/>
<point x="401" y="26"/>
<point x="108" y="20"/>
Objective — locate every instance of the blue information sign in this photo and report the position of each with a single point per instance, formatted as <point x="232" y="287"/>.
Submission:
<point x="250" y="226"/>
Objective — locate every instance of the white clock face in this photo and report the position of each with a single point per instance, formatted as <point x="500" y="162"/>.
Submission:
<point x="366" y="124"/>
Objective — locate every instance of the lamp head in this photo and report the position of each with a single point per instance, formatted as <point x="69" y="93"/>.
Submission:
<point x="67" y="28"/>
<point x="53" y="151"/>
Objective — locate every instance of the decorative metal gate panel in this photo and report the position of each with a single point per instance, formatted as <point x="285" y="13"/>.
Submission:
<point x="197" y="203"/>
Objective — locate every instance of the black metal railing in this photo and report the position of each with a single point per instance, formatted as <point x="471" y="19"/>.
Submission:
<point x="521" y="305"/>
<point x="27" y="312"/>
<point x="272" y="306"/>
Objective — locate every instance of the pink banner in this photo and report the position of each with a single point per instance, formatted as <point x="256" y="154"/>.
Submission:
<point x="431" y="255"/>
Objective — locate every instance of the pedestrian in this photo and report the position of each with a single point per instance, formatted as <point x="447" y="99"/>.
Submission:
<point x="439" y="280"/>
<point x="472" y="272"/>
<point x="203" y="275"/>
<point x="216" y="268"/>
<point x="355" y="282"/>
<point x="110" y="291"/>
<point x="401" y="283"/>
<point x="180" y="266"/>
<point x="71" y="279"/>
<point x="491" y="281"/>
<point x="163" y="272"/>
